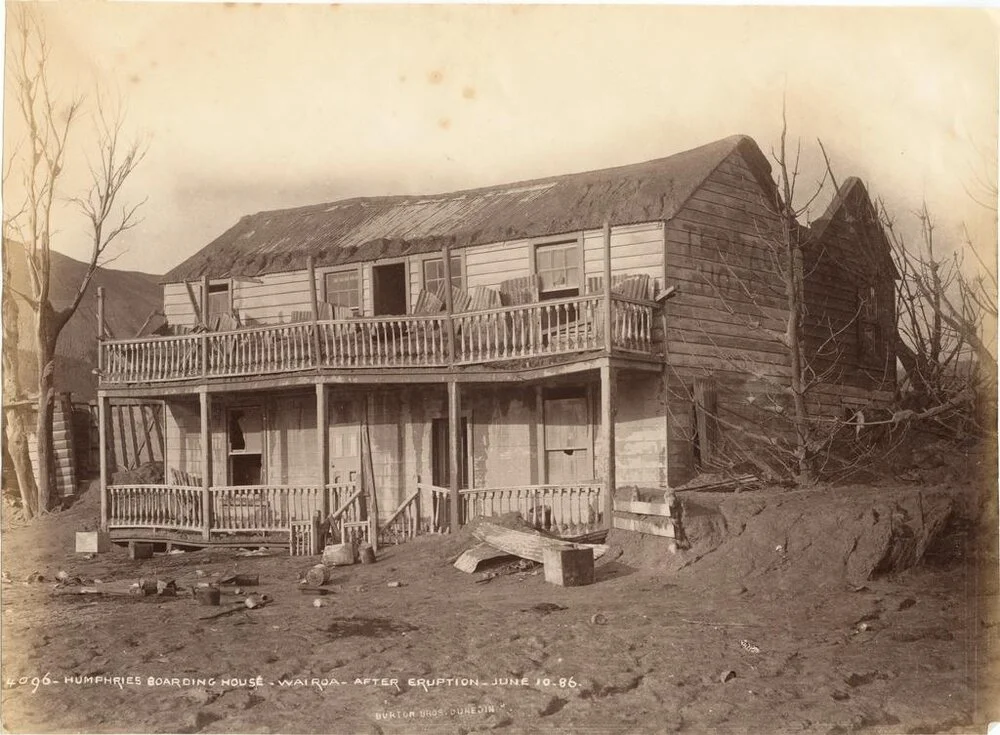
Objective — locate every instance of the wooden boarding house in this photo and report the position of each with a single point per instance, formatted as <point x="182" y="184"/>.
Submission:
<point x="393" y="365"/>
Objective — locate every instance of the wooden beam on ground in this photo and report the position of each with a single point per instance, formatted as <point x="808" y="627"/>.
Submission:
<point x="527" y="544"/>
<point x="645" y="526"/>
<point x="649" y="509"/>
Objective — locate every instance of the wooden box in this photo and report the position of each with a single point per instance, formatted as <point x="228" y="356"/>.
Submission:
<point x="338" y="554"/>
<point x="569" y="567"/>
<point x="92" y="542"/>
<point x="140" y="550"/>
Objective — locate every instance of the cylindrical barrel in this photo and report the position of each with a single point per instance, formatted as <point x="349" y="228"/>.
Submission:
<point x="318" y="575"/>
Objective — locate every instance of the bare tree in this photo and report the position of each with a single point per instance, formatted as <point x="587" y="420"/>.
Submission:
<point x="943" y="342"/>
<point x="33" y="178"/>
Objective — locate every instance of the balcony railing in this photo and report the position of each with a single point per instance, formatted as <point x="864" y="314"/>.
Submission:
<point x="557" y="327"/>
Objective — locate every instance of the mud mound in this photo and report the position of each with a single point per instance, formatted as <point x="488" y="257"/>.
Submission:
<point x="817" y="537"/>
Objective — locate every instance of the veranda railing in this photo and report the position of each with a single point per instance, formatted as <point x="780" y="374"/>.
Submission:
<point x="555" y="327"/>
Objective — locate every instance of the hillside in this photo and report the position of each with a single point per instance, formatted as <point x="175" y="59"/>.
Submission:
<point x="130" y="297"/>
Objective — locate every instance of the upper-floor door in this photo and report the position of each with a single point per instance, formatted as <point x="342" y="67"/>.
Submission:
<point x="389" y="289"/>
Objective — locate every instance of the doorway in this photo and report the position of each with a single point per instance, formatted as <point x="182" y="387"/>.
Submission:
<point x="245" y="431"/>
<point x="389" y="289"/>
<point x="568" y="438"/>
<point x="440" y="464"/>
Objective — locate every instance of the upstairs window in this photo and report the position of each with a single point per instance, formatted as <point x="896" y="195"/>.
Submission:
<point x="557" y="266"/>
<point x="869" y="333"/>
<point x="434" y="273"/>
<point x="342" y="288"/>
<point x="219" y="303"/>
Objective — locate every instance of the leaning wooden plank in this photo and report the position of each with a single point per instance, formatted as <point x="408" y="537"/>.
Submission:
<point x="643" y="526"/>
<point x="637" y="506"/>
<point x="527" y="544"/>
<point x="469" y="561"/>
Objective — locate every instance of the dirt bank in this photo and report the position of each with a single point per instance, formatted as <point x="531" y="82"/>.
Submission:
<point x="732" y="635"/>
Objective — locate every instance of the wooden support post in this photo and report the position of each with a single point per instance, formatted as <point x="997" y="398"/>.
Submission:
<point x="323" y="448"/>
<point x="206" y="463"/>
<point x="204" y="323"/>
<point x="541" y="476"/>
<point x="100" y="332"/>
<point x="102" y="432"/>
<point x="314" y="304"/>
<point x="608" y="419"/>
<point x="449" y="302"/>
<point x="608" y="314"/>
<point x="454" y="443"/>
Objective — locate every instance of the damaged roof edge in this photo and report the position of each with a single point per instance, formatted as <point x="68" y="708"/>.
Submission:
<point x="353" y="230"/>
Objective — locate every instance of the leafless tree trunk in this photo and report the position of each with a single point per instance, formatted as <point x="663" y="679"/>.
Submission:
<point x="15" y="425"/>
<point x="33" y="176"/>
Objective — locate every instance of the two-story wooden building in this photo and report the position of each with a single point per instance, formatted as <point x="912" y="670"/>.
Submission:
<point x="315" y="359"/>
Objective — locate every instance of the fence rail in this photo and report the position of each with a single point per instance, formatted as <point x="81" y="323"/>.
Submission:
<point x="155" y="506"/>
<point x="565" y="510"/>
<point x="556" y="327"/>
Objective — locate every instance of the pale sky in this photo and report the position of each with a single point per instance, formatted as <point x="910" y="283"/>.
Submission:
<point x="249" y="107"/>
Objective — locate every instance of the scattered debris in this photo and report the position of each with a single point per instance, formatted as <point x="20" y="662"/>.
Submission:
<point x="395" y="584"/>
<point x="544" y="608"/>
<point x="208" y="595"/>
<point x="176" y="551"/>
<point x="93" y="542"/>
<point x="366" y="554"/>
<point x="199" y="572"/>
<point x="253" y="552"/>
<point x="339" y="554"/>
<point x="749" y="647"/>
<point x="318" y="602"/>
<point x="34" y="577"/>
<point x="255" y="601"/>
<point x="62" y="575"/>
<point x="166" y="588"/>
<point x="316" y="590"/>
<point x="241" y="580"/>
<point x="318" y="575"/>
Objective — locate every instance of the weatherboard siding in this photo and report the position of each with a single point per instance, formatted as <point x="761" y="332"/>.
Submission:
<point x="274" y="297"/>
<point x="725" y="321"/>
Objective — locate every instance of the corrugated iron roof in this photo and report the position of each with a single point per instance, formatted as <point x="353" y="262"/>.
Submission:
<point x="371" y="228"/>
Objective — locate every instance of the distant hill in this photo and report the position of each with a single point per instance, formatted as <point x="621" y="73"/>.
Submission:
<point x="129" y="298"/>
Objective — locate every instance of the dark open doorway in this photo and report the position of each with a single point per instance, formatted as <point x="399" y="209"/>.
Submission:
<point x="389" y="289"/>
<point x="440" y="466"/>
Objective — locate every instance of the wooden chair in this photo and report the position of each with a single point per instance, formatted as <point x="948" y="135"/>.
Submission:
<point x="482" y="298"/>
<point x="521" y="290"/>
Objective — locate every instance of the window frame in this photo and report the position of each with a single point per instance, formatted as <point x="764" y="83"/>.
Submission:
<point x="359" y="280"/>
<point x="869" y="330"/>
<point x="435" y="257"/>
<point x="568" y="240"/>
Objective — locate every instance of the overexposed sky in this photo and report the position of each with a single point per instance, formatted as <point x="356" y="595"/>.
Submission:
<point x="252" y="107"/>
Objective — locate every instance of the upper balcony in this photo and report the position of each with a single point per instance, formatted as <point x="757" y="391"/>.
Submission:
<point x="614" y="323"/>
